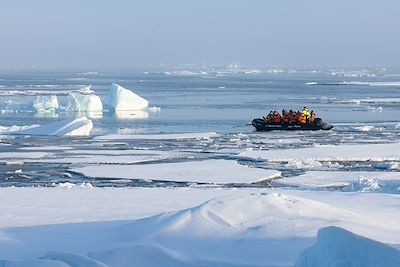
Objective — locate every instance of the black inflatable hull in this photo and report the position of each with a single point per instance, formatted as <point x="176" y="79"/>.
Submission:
<point x="260" y="125"/>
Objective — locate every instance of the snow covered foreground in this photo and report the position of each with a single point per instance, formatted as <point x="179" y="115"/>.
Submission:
<point x="68" y="127"/>
<point x="212" y="227"/>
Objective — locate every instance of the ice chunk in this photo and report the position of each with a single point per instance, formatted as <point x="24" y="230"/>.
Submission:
<point x="68" y="127"/>
<point x="45" y="103"/>
<point x="83" y="101"/>
<point x="338" y="247"/>
<point x="207" y="171"/>
<point x="119" y="98"/>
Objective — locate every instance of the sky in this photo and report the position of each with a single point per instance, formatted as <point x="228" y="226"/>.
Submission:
<point x="151" y="33"/>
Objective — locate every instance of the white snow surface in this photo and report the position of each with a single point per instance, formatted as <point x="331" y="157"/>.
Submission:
<point x="206" y="171"/>
<point x="120" y="98"/>
<point x="337" y="247"/>
<point x="237" y="227"/>
<point x="67" y="127"/>
<point x="364" y="152"/>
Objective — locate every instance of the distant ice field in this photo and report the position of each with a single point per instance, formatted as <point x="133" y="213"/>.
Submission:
<point x="204" y="117"/>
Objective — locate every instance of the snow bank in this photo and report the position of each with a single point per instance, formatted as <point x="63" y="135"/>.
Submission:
<point x="207" y="171"/>
<point x="119" y="98"/>
<point x="68" y="127"/>
<point x="337" y="247"/>
<point x="45" y="104"/>
<point x="235" y="228"/>
<point x="81" y="102"/>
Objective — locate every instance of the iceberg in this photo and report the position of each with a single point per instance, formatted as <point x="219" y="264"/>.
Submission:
<point x="84" y="100"/>
<point x="120" y="98"/>
<point x="45" y="103"/>
<point x="68" y="127"/>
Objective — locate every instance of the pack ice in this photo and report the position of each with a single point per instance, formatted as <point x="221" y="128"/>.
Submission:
<point x="120" y="98"/>
<point x="68" y="127"/>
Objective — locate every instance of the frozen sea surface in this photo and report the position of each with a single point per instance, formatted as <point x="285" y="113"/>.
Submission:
<point x="205" y="117"/>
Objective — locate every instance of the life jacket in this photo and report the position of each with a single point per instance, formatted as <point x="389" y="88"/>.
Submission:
<point x="286" y="118"/>
<point x="270" y="117"/>
<point x="306" y="112"/>
<point x="277" y="117"/>
<point x="302" y="118"/>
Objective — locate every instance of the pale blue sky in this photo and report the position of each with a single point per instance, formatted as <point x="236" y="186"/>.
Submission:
<point x="283" y="33"/>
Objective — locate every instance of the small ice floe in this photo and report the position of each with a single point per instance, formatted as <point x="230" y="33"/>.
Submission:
<point x="206" y="171"/>
<point x="69" y="185"/>
<point x="374" y="109"/>
<point x="178" y="136"/>
<point x="67" y="127"/>
<point x="365" y="128"/>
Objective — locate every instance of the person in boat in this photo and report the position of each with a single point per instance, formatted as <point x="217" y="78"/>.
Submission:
<point x="302" y="118"/>
<point x="312" y="117"/>
<point x="277" y="118"/>
<point x="306" y="112"/>
<point x="270" y="116"/>
<point x="286" y="117"/>
<point x="293" y="117"/>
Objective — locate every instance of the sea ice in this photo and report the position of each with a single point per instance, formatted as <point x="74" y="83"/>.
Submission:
<point x="358" y="181"/>
<point x="364" y="152"/>
<point x="67" y="127"/>
<point x="45" y="103"/>
<point x="120" y="98"/>
<point x="337" y="247"/>
<point x="207" y="171"/>
<point x="178" y="136"/>
<point x="82" y="102"/>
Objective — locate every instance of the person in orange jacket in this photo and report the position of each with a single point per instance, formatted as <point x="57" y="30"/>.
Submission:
<point x="293" y="117"/>
<point x="286" y="117"/>
<point x="302" y="118"/>
<point x="277" y="118"/>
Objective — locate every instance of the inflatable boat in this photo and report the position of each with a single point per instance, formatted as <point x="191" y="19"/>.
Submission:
<point x="318" y="124"/>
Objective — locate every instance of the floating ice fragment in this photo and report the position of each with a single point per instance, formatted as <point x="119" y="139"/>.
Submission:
<point x="82" y="102"/>
<point x="68" y="127"/>
<point x="45" y="103"/>
<point x="120" y="98"/>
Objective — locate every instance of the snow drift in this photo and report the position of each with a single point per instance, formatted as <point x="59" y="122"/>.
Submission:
<point x="337" y="247"/>
<point x="120" y="98"/>
<point x="265" y="229"/>
<point x="68" y="127"/>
